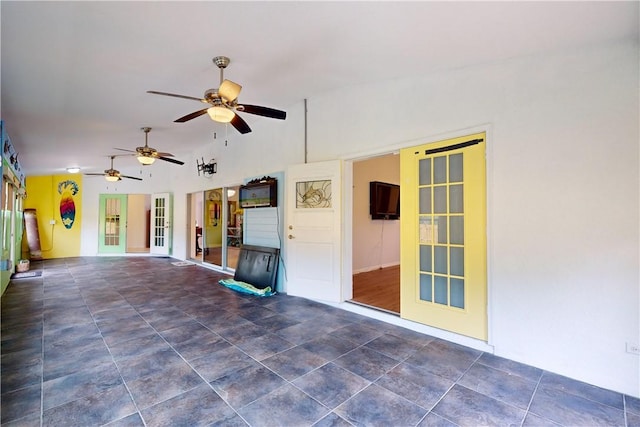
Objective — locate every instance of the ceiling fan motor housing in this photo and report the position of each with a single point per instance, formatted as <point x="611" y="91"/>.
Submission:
<point x="212" y="97"/>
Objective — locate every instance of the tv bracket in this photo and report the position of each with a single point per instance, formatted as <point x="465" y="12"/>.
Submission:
<point x="207" y="168"/>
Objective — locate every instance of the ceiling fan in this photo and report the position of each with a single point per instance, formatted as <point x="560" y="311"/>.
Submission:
<point x="223" y="102"/>
<point x="113" y="175"/>
<point x="147" y="155"/>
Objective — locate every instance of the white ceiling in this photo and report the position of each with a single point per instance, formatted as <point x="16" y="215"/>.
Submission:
<point x="75" y="74"/>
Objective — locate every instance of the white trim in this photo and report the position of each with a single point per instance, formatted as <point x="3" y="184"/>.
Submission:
<point x="346" y="288"/>
<point x="488" y="147"/>
<point x="393" y="148"/>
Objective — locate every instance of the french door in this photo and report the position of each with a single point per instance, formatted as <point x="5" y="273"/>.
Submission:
<point x="112" y="235"/>
<point x="443" y="235"/>
<point x="161" y="224"/>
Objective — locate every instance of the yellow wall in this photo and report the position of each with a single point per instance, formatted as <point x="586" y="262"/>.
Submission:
<point x="44" y="194"/>
<point x="213" y="225"/>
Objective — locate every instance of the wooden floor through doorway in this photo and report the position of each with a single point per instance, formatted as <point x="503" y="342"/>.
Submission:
<point x="378" y="288"/>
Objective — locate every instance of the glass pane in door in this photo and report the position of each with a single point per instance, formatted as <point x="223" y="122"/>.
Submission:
<point x="441" y="220"/>
<point x="159" y="229"/>
<point x="112" y="222"/>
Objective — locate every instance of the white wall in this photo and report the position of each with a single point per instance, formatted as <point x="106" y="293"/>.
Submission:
<point x="376" y="243"/>
<point x="562" y="194"/>
<point x="563" y="191"/>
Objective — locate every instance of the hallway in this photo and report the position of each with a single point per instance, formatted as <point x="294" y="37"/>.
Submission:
<point x="137" y="341"/>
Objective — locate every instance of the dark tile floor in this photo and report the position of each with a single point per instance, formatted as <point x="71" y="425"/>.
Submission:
<point x="137" y="341"/>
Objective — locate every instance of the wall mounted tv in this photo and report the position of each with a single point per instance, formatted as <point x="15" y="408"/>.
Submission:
<point x="259" y="193"/>
<point x="384" y="200"/>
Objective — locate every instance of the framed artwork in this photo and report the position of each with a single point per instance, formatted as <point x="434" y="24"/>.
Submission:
<point x="313" y="194"/>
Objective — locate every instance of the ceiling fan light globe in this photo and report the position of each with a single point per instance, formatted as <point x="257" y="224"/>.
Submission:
<point x="112" y="178"/>
<point x="146" y="160"/>
<point x="221" y="114"/>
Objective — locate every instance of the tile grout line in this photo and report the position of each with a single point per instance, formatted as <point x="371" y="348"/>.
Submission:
<point x="455" y="382"/>
<point x="124" y="383"/>
<point x="533" y="395"/>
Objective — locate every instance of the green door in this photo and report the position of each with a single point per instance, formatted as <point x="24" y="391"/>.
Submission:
<point x="112" y="234"/>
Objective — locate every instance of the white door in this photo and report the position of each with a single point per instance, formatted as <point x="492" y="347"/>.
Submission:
<point x="313" y="230"/>
<point x="161" y="224"/>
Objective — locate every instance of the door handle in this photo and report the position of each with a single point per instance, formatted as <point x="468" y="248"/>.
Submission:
<point x="291" y="236"/>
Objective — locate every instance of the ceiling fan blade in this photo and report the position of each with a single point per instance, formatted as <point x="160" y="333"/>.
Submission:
<point x="191" y="116"/>
<point x="166" y="159"/>
<point x="94" y="174"/>
<point x="240" y="125"/>
<point x="229" y="90"/>
<point x="124" y="149"/>
<point x="263" y="111"/>
<point x="159" y="154"/>
<point x="131" y="177"/>
<point x="177" y="96"/>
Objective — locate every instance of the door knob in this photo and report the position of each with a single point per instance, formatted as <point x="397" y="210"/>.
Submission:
<point x="291" y="236"/>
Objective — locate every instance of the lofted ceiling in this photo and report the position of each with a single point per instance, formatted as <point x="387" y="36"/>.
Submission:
<point x="74" y="74"/>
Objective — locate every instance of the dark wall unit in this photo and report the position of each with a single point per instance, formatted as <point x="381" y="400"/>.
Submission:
<point x="384" y="200"/>
<point x="259" y="193"/>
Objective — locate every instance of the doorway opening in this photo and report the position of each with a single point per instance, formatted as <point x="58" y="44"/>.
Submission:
<point x="138" y="223"/>
<point x="375" y="242"/>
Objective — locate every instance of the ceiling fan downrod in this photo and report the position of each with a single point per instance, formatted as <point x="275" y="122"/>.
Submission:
<point x="146" y="131"/>
<point x="221" y="62"/>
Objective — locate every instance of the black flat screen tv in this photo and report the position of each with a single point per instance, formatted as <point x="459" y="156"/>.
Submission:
<point x="384" y="200"/>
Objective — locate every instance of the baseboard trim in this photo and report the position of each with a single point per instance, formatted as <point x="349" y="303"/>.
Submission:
<point x="376" y="267"/>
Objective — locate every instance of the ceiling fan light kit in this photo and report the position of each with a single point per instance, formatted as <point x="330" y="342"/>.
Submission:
<point x="224" y="104"/>
<point x="112" y="178"/>
<point x="144" y="160"/>
<point x="220" y="114"/>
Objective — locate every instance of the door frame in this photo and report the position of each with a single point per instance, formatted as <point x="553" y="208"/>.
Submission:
<point x="347" y="239"/>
